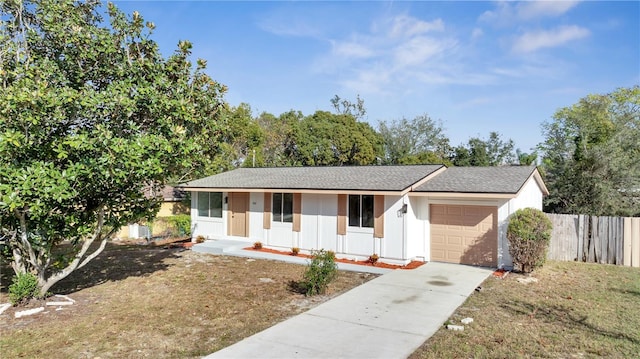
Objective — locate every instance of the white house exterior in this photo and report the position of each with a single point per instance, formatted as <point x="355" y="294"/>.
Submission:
<point x="401" y="213"/>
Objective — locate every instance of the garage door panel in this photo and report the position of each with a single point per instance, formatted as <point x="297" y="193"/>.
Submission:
<point x="454" y="240"/>
<point x="464" y="234"/>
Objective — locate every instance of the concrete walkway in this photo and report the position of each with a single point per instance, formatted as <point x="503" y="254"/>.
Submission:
<point x="235" y="248"/>
<point x="387" y="317"/>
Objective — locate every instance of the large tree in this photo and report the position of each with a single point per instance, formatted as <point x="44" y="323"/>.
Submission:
<point x="324" y="139"/>
<point x="420" y="140"/>
<point x="280" y="137"/>
<point x="92" y="116"/>
<point x="591" y="155"/>
<point x="243" y="140"/>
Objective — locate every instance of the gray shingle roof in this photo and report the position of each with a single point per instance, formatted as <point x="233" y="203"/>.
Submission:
<point x="357" y="178"/>
<point x="508" y="179"/>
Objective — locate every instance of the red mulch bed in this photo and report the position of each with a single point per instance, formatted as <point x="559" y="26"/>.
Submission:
<point x="410" y="265"/>
<point x="500" y="273"/>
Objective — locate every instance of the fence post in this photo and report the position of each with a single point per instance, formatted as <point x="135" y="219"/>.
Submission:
<point x="593" y="237"/>
<point x="611" y="240"/>
<point x="635" y="242"/>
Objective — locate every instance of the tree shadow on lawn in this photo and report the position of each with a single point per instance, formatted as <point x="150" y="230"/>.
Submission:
<point x="631" y="292"/>
<point x="115" y="263"/>
<point x="557" y="314"/>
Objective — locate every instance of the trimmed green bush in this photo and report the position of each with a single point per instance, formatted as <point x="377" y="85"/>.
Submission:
<point x="23" y="288"/>
<point x="320" y="272"/>
<point x="529" y="233"/>
<point x="182" y="222"/>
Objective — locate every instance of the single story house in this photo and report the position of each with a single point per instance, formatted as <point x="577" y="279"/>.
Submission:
<point x="401" y="213"/>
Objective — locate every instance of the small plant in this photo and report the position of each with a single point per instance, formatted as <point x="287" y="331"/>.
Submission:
<point x="529" y="233"/>
<point x="257" y="245"/>
<point x="332" y="254"/>
<point x="23" y="288"/>
<point x="373" y="259"/>
<point x="295" y="251"/>
<point x="320" y="272"/>
<point x="200" y="239"/>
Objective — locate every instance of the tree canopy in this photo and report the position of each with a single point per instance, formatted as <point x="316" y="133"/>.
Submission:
<point x="336" y="139"/>
<point x="420" y="140"/>
<point x="93" y="119"/>
<point x="591" y="155"/>
<point x="479" y="152"/>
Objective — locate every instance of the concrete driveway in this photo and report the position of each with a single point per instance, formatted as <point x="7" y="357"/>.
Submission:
<point x="387" y="317"/>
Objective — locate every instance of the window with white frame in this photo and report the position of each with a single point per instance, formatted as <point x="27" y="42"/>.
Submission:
<point x="282" y="207"/>
<point x="210" y="204"/>
<point x="361" y="211"/>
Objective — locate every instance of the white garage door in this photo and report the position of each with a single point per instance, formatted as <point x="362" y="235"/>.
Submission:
<point x="464" y="234"/>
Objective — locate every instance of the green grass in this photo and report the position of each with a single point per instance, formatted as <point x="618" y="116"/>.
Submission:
<point x="575" y="310"/>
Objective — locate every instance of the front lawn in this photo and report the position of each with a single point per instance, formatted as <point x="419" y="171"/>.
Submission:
<point x="575" y="310"/>
<point x="142" y="301"/>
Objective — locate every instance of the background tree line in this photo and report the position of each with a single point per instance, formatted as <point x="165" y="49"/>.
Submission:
<point x="341" y="138"/>
<point x="590" y="157"/>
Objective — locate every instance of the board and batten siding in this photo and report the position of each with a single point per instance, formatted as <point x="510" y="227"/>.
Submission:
<point x="417" y="228"/>
<point x="319" y="222"/>
<point x="207" y="227"/>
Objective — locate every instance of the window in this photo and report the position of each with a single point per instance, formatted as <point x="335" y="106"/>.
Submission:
<point x="210" y="204"/>
<point x="361" y="211"/>
<point x="282" y="207"/>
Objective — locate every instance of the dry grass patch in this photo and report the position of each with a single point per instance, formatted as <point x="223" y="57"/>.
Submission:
<point x="575" y="310"/>
<point x="139" y="301"/>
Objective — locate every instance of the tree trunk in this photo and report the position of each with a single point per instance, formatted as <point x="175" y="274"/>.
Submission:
<point x="76" y="263"/>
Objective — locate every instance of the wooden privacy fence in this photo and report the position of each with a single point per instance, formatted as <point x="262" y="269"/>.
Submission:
<point x="611" y="240"/>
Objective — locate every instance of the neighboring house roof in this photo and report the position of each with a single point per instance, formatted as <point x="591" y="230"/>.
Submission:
<point x="490" y="180"/>
<point x="173" y="194"/>
<point x="168" y="193"/>
<point x="353" y="178"/>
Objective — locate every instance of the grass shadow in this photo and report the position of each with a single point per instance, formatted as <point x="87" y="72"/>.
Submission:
<point x="631" y="292"/>
<point x="297" y="286"/>
<point x="557" y="314"/>
<point x="115" y="263"/>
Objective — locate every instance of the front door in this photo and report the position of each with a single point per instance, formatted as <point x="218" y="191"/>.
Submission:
<point x="239" y="214"/>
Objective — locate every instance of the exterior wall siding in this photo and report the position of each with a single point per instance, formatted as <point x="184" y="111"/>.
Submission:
<point x="393" y="244"/>
<point x="406" y="235"/>
<point x="417" y="230"/>
<point x="206" y="226"/>
<point x="529" y="196"/>
<point x="256" y="217"/>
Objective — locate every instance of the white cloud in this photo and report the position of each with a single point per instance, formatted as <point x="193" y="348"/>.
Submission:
<point x="535" y="40"/>
<point x="418" y="50"/>
<point x="536" y="9"/>
<point x="407" y="26"/>
<point x="391" y="50"/>
<point x="511" y="12"/>
<point x="352" y="49"/>
<point x="503" y="12"/>
<point x="291" y="28"/>
<point x="477" y="33"/>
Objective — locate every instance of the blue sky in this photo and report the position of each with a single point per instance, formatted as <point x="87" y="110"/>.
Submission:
<point x="476" y="66"/>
